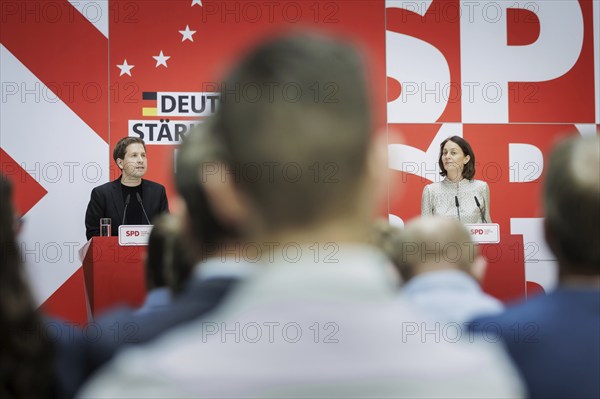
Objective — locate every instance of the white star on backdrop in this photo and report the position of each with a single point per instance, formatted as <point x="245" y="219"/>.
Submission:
<point x="161" y="59"/>
<point x="194" y="2"/>
<point x="125" y="68"/>
<point x="187" y="34"/>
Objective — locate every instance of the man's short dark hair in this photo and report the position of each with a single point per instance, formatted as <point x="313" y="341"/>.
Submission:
<point x="169" y="262"/>
<point x="199" y="151"/>
<point x="469" y="168"/>
<point x="308" y="141"/>
<point x="121" y="147"/>
<point x="572" y="205"/>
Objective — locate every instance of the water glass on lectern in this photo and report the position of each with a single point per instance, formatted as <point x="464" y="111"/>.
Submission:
<point x="105" y="227"/>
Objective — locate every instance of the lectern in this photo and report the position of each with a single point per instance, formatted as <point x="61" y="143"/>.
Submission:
<point x="114" y="274"/>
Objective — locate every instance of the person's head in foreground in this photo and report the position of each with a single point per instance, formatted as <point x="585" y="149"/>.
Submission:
<point x="308" y="173"/>
<point x="438" y="243"/>
<point x="572" y="211"/>
<point x="553" y="336"/>
<point x="392" y="241"/>
<point x="204" y="188"/>
<point x="25" y="351"/>
<point x="169" y="262"/>
<point x="443" y="269"/>
<point x="311" y="147"/>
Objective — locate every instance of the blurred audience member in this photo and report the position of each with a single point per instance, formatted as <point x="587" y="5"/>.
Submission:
<point x="392" y="241"/>
<point x="443" y="269"/>
<point x="555" y="339"/>
<point x="202" y="237"/>
<point x="26" y="355"/>
<point x="322" y="317"/>
<point x="165" y="255"/>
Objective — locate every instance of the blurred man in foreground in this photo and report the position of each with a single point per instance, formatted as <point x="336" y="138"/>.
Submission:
<point x="391" y="240"/>
<point x="197" y="290"/>
<point x="555" y="339"/>
<point x="442" y="271"/>
<point x="321" y="318"/>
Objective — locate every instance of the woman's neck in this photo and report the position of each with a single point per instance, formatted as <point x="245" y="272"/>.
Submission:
<point x="454" y="178"/>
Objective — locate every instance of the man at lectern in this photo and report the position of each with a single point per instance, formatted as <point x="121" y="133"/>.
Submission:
<point x="128" y="199"/>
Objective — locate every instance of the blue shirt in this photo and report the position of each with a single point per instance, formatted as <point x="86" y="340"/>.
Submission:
<point x="155" y="299"/>
<point x="554" y="340"/>
<point x="450" y="295"/>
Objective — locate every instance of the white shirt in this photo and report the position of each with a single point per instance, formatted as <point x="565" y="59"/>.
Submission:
<point x="218" y="267"/>
<point x="440" y="199"/>
<point x="311" y="329"/>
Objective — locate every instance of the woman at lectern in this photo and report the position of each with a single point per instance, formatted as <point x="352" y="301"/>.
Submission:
<point x="459" y="195"/>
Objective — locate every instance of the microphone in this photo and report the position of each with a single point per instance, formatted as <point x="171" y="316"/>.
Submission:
<point x="126" y="204"/>
<point x="457" y="206"/>
<point x="139" y="198"/>
<point x="480" y="211"/>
